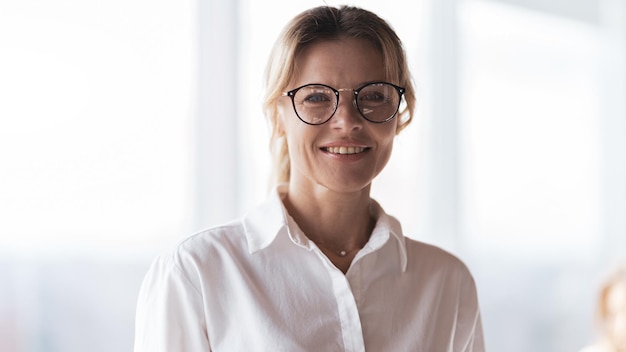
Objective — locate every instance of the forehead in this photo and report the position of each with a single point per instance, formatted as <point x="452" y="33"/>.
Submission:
<point x="342" y="63"/>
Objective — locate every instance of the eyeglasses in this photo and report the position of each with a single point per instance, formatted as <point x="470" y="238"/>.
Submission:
<point x="315" y="104"/>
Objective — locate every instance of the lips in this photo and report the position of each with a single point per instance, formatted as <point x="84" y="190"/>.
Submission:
<point x="344" y="150"/>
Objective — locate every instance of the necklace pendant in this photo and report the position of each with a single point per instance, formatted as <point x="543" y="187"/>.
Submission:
<point x="343" y="253"/>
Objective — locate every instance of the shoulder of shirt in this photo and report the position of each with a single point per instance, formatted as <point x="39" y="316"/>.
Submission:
<point x="204" y="245"/>
<point x="421" y="254"/>
<point x="200" y="252"/>
<point x="228" y="236"/>
<point x="234" y="239"/>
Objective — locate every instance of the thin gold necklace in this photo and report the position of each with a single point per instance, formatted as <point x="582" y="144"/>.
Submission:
<point x="341" y="253"/>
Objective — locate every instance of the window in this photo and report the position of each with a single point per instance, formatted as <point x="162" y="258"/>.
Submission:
<point x="95" y="128"/>
<point x="96" y="112"/>
<point x="541" y="149"/>
<point x="531" y="129"/>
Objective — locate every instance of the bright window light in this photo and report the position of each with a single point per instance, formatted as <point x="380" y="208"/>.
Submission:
<point x="531" y="117"/>
<point x="94" y="122"/>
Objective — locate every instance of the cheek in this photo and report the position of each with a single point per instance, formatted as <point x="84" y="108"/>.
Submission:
<point x="291" y="128"/>
<point x="386" y="141"/>
<point x="385" y="147"/>
<point x="287" y="120"/>
<point x="387" y="154"/>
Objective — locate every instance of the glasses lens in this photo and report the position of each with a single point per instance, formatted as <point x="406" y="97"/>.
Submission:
<point x="378" y="102"/>
<point x="315" y="104"/>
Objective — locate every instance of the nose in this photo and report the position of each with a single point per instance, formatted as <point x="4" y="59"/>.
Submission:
<point x="347" y="116"/>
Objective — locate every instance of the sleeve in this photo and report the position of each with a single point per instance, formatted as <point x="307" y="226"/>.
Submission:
<point x="170" y="315"/>
<point x="469" y="325"/>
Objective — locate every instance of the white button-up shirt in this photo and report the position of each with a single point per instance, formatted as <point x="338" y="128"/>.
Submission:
<point x="259" y="284"/>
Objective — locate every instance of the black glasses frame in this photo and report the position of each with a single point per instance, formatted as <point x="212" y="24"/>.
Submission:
<point x="355" y="101"/>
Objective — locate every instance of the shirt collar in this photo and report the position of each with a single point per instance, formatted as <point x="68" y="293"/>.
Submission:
<point x="387" y="226"/>
<point x="263" y="224"/>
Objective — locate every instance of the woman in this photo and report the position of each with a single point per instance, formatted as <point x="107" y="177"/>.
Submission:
<point x="320" y="266"/>
<point x="611" y="314"/>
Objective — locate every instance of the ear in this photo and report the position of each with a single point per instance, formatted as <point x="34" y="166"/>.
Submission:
<point x="279" y="129"/>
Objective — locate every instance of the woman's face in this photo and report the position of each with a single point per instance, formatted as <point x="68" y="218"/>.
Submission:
<point x="347" y="152"/>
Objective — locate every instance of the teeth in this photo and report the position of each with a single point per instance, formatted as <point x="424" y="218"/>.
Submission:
<point x="345" y="150"/>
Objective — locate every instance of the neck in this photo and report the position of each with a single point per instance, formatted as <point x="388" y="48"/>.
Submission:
<point x="336" y="222"/>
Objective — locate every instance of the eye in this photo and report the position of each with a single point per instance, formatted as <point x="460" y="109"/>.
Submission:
<point x="373" y="96"/>
<point x="315" y="95"/>
<point x="316" y="98"/>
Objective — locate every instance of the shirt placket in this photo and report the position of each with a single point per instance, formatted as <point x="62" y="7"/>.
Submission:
<point x="351" y="330"/>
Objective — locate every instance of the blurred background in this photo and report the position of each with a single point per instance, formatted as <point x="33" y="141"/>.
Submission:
<point x="126" y="126"/>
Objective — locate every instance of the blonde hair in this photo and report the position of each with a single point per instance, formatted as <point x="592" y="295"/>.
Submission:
<point x="327" y="23"/>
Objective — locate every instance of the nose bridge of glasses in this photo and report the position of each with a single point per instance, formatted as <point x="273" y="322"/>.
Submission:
<point x="350" y="111"/>
<point x="352" y="96"/>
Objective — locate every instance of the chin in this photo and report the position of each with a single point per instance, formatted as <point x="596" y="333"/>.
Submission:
<point x="347" y="186"/>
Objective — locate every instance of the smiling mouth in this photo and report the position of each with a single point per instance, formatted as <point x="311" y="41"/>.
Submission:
<point x="344" y="150"/>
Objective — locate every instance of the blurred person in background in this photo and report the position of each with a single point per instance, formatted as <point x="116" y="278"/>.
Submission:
<point x="320" y="266"/>
<point x="611" y="314"/>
